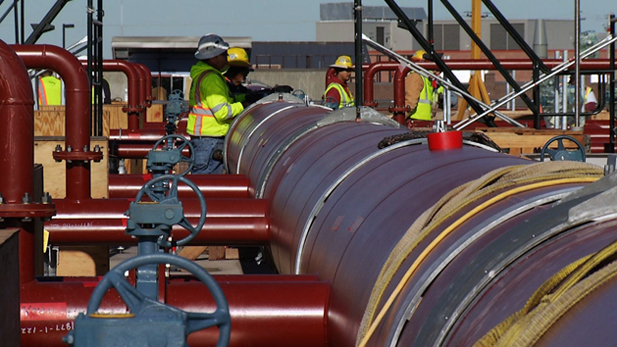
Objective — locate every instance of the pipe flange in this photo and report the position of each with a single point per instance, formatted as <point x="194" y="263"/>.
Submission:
<point x="398" y="109"/>
<point x="71" y="156"/>
<point x="30" y="210"/>
<point x="370" y="104"/>
<point x="132" y="109"/>
<point x="149" y="101"/>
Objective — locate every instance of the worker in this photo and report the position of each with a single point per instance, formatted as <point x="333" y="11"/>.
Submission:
<point x="212" y="108"/>
<point x="337" y="94"/>
<point x="50" y="89"/>
<point x="588" y="99"/>
<point x="418" y="93"/>
<point x="106" y="92"/>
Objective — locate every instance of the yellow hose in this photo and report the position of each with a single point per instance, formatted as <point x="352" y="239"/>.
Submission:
<point x="448" y="230"/>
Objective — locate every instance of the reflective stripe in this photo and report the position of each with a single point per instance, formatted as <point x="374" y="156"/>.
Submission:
<point x="42" y="94"/>
<point x="202" y="120"/>
<point x="424" y="108"/>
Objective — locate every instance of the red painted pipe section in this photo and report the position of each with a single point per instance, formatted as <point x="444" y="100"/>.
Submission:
<point x="77" y="124"/>
<point x="212" y="186"/>
<point x="398" y="110"/>
<point x="369" y="74"/>
<point x="17" y="147"/>
<point x="133" y="78"/>
<point x="229" y="221"/>
<point x="115" y="208"/>
<point x="16" y="132"/>
<point x="296" y="306"/>
<point x="140" y="150"/>
<point x="224" y="231"/>
<point x="146" y="94"/>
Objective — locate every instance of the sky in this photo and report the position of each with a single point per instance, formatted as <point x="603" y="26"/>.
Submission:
<point x="263" y="20"/>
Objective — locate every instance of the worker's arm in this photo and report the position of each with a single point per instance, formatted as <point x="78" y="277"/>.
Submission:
<point x="413" y="89"/>
<point x="214" y="91"/>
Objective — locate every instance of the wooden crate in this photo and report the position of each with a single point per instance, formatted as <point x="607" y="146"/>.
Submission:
<point x="525" y="140"/>
<point x="49" y="120"/>
<point x="54" y="173"/>
<point x="83" y="261"/>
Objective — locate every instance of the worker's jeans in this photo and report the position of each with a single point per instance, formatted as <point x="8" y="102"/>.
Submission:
<point x="204" y="163"/>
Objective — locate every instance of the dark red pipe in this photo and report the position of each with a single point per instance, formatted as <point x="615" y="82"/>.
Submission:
<point x="133" y="78"/>
<point x="115" y="208"/>
<point x="226" y="231"/>
<point x="369" y="74"/>
<point x="17" y="153"/>
<point x="230" y="221"/>
<point x="146" y="74"/>
<point x="295" y="305"/>
<point x="77" y="125"/>
<point x="398" y="110"/>
<point x="17" y="149"/>
<point x="212" y="186"/>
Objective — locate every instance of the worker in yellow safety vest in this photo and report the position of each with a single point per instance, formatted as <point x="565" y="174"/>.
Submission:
<point x="337" y="94"/>
<point x="50" y="89"/>
<point x="212" y="109"/>
<point x="418" y="92"/>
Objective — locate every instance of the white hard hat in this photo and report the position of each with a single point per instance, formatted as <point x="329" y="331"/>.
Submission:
<point x="210" y="46"/>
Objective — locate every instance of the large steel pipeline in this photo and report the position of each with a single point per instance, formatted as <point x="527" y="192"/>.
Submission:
<point x="77" y="153"/>
<point x="134" y="106"/>
<point x="340" y="205"/>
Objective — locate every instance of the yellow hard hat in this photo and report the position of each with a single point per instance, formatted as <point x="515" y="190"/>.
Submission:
<point x="419" y="55"/>
<point x="343" y="62"/>
<point x="237" y="56"/>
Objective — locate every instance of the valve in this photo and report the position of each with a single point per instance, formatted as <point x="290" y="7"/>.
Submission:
<point x="156" y="218"/>
<point x="162" y="161"/>
<point x="148" y="322"/>
<point x="561" y="153"/>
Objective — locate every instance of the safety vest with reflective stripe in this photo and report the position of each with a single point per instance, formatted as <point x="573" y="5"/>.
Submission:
<point x="346" y="99"/>
<point x="50" y="91"/>
<point x="425" y="103"/>
<point x="215" y="121"/>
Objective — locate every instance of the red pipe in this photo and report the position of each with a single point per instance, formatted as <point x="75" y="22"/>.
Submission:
<point x="224" y="231"/>
<point x="295" y="305"/>
<point x="369" y="74"/>
<point x="17" y="149"/>
<point x="133" y="78"/>
<point x="77" y="125"/>
<point x="140" y="150"/>
<point x="146" y="74"/>
<point x="115" y="208"/>
<point x="16" y="102"/>
<point x="231" y="221"/>
<point x="398" y="110"/>
<point x="212" y="186"/>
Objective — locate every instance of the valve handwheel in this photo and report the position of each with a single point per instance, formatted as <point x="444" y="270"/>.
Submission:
<point x="561" y="153"/>
<point x="185" y="142"/>
<point x="172" y="198"/>
<point x="144" y="308"/>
